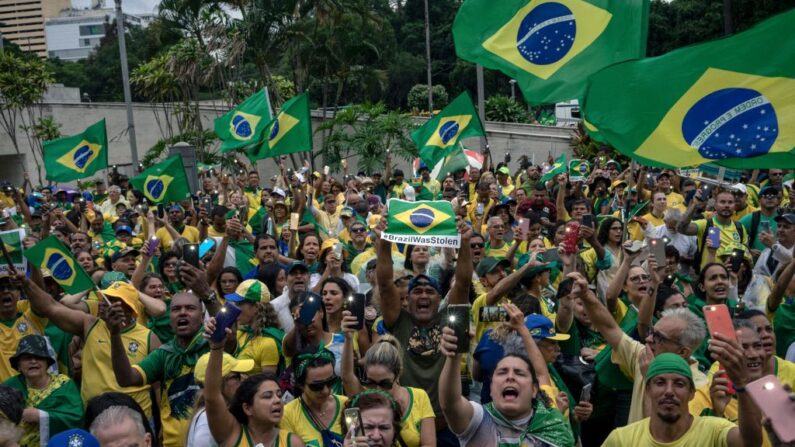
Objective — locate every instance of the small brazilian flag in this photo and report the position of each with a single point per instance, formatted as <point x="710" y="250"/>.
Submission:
<point x="244" y="125"/>
<point x="77" y="156"/>
<point x="429" y="223"/>
<point x="164" y="182"/>
<point x="13" y="242"/>
<point x="729" y="102"/>
<point x="550" y="46"/>
<point x="289" y="132"/>
<point x="439" y="137"/>
<point x="560" y="167"/>
<point x="53" y="256"/>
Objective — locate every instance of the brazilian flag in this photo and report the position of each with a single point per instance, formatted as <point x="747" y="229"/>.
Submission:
<point x="729" y="102"/>
<point x="430" y="223"/>
<point x="244" y="125"/>
<point x="439" y="137"/>
<point x="52" y="255"/>
<point x="78" y="156"/>
<point x="550" y="46"/>
<point x="560" y="167"/>
<point x="289" y="132"/>
<point x="164" y="182"/>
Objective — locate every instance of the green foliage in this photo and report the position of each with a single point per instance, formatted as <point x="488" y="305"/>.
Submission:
<point x="23" y="80"/>
<point x="201" y="140"/>
<point x="505" y="109"/>
<point x="587" y="148"/>
<point x="418" y="97"/>
<point x="367" y="131"/>
<point x="46" y="129"/>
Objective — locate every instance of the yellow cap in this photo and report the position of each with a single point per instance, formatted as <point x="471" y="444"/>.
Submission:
<point x="328" y="243"/>
<point x="229" y="366"/>
<point x="125" y="292"/>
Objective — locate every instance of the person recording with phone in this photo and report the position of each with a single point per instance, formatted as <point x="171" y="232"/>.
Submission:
<point x="374" y="421"/>
<point x="731" y="234"/>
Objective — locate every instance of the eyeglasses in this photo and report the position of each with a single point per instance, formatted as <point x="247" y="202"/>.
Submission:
<point x="477" y="245"/>
<point x="385" y="384"/>
<point x="770" y="196"/>
<point x="639" y="278"/>
<point x="358" y="230"/>
<point x="658" y="337"/>
<point x="318" y="386"/>
<point x="7" y="286"/>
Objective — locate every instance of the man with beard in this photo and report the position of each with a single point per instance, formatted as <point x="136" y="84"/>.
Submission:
<point x="267" y="253"/>
<point x="14" y="324"/>
<point x="732" y="235"/>
<point x="769" y="201"/>
<point x="541" y="203"/>
<point x="171" y="364"/>
<point x="123" y="261"/>
<point x="669" y="385"/>
<point x="297" y="283"/>
<point x="176" y="217"/>
<point x="79" y="241"/>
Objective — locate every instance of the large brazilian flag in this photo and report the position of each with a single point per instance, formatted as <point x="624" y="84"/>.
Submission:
<point x="730" y="102"/>
<point x="550" y="46"/>
<point x="53" y="256"/>
<point x="243" y="125"/>
<point x="77" y="156"/>
<point x="164" y="182"/>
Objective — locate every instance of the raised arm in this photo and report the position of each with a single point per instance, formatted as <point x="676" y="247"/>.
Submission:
<point x="459" y="293"/>
<point x="780" y="288"/>
<point x="685" y="225"/>
<point x="511" y="281"/>
<point x="68" y="320"/>
<point x="456" y="408"/>
<point x="516" y="322"/>
<point x="598" y="313"/>
<point x="223" y="426"/>
<point x="646" y="309"/>
<point x="125" y="374"/>
<point x="390" y="297"/>
<point x="616" y="285"/>
<point x="350" y="382"/>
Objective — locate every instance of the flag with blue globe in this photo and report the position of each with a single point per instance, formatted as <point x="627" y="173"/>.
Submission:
<point x="164" y="182"/>
<point x="244" y="125"/>
<point x="430" y="223"/>
<point x="77" y="156"/>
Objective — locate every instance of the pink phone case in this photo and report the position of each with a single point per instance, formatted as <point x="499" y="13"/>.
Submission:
<point x="768" y="394"/>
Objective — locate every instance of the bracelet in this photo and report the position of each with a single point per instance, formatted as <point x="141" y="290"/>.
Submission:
<point x="217" y="349"/>
<point x="739" y="389"/>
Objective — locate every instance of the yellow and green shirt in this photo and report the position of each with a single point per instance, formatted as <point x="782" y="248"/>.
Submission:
<point x="297" y="420"/>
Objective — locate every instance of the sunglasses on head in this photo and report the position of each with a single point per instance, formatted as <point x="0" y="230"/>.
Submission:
<point x="385" y="384"/>
<point x="318" y="386"/>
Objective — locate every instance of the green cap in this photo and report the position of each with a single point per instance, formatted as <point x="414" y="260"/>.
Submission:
<point x="504" y="170"/>
<point x="486" y="265"/>
<point x="669" y="363"/>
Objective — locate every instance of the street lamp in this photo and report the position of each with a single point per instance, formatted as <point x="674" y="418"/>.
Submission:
<point x="513" y="89"/>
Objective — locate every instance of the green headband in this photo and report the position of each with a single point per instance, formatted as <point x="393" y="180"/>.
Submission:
<point x="669" y="363"/>
<point x="303" y="360"/>
<point x="372" y="391"/>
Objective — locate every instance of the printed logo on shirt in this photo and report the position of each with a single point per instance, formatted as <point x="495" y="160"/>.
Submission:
<point x="132" y="347"/>
<point x="22" y="327"/>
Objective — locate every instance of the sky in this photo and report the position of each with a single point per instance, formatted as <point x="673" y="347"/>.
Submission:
<point x="132" y="6"/>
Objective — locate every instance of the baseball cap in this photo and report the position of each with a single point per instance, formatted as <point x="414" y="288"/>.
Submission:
<point x="740" y="187"/>
<point x="397" y="173"/>
<point x="124" y="252"/>
<point x="73" y="438"/>
<point x="229" y="365"/>
<point x="618" y="183"/>
<point x="176" y="207"/>
<point x="109" y="278"/>
<point x="786" y="217"/>
<point x="125" y="292"/>
<point x="126" y="228"/>
<point x="541" y="328"/>
<point x="422" y="280"/>
<point x="347" y="212"/>
<point x="770" y="189"/>
<point x="251" y="291"/>
<point x="297" y="265"/>
<point x="486" y="265"/>
<point x="328" y="243"/>
<point x="504" y="170"/>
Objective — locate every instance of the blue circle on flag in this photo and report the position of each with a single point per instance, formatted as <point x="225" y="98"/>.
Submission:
<point x="546" y="33"/>
<point x="274" y="130"/>
<point x="82" y="155"/>
<point x="422" y="218"/>
<point x="59" y="267"/>
<point x="155" y="188"/>
<point x="731" y="122"/>
<point x="241" y="126"/>
<point x="448" y="131"/>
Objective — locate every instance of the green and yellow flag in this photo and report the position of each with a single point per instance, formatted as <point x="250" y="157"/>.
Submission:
<point x="550" y="46"/>
<point x="560" y="167"/>
<point x="730" y="102"/>
<point x="53" y="256"/>
<point x="244" y="125"/>
<point x="12" y="240"/>
<point x="77" y="156"/>
<point x="164" y="182"/>
<point x="289" y="132"/>
<point x="429" y="223"/>
<point x="439" y="137"/>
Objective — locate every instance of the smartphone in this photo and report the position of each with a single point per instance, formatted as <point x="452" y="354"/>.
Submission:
<point x="225" y="318"/>
<point x="571" y="237"/>
<point x="764" y="227"/>
<point x="587" y="220"/>
<point x="550" y="255"/>
<point x="737" y="260"/>
<point x="585" y="394"/>
<point x="689" y="196"/>
<point x="524" y="228"/>
<point x="294" y="221"/>
<point x="491" y="314"/>
<point x="190" y="254"/>
<point x="161" y="211"/>
<point x="309" y="308"/>
<point x="657" y="248"/>
<point x="207" y="204"/>
<point x="337" y="249"/>
<point x="353" y="420"/>
<point x="355" y="304"/>
<point x="714" y="236"/>
<point x="458" y="321"/>
<point x="770" y="396"/>
<point x="151" y="247"/>
<point x="326" y="171"/>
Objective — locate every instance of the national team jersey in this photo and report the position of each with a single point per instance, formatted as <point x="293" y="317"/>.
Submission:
<point x="705" y="431"/>
<point x="11" y="331"/>
<point x="282" y="440"/>
<point x="419" y="408"/>
<point x="297" y="420"/>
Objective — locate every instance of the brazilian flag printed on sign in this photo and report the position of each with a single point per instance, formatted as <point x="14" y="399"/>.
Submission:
<point x="429" y="223"/>
<point x="53" y="256"/>
<point x="78" y="156"/>
<point x="730" y="102"/>
<point x="550" y="46"/>
<point x="164" y="182"/>
<point x="13" y="243"/>
<point x="244" y="125"/>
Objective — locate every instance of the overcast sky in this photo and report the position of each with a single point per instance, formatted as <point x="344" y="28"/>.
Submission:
<point x="127" y="5"/>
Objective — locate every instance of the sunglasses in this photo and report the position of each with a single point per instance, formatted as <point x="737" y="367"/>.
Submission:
<point x="170" y="264"/>
<point x="7" y="286"/>
<point x="385" y="384"/>
<point x="318" y="386"/>
<point x="358" y="230"/>
<point x="477" y="245"/>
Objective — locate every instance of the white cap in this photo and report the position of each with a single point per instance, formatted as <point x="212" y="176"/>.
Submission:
<point x="740" y="187"/>
<point x="408" y="191"/>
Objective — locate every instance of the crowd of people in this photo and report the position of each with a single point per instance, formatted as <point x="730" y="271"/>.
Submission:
<point x="585" y="298"/>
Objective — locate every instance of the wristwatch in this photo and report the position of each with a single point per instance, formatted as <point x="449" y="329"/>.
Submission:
<point x="212" y="298"/>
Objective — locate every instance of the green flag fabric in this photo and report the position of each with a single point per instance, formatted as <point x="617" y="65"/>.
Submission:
<point x="439" y="137"/>
<point x="452" y="162"/>
<point x="579" y="170"/>
<point x="730" y="102"/>
<point x="244" y="256"/>
<point x="550" y="46"/>
<point x="53" y="256"/>
<point x="12" y="240"/>
<point x="78" y="156"/>
<point x="560" y="167"/>
<point x="164" y="182"/>
<point x="430" y="223"/>
<point x="290" y="131"/>
<point x="245" y="124"/>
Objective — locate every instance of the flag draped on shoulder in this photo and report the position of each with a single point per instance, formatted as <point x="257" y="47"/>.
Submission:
<point x="560" y="167"/>
<point x="730" y="102"/>
<point x="429" y="223"/>
<point x="78" y="156"/>
<point x="164" y="182"/>
<point x="244" y="125"/>
<point x="550" y="46"/>
<point x="439" y="137"/>
<point x="53" y="256"/>
<point x="288" y="132"/>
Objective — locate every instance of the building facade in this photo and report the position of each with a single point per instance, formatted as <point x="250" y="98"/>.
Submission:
<point x="22" y="22"/>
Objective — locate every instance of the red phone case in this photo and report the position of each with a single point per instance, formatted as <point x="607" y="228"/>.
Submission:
<point x="719" y="321"/>
<point x="774" y="402"/>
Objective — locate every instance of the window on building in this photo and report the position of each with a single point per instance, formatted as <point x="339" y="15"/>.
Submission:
<point x="92" y="30"/>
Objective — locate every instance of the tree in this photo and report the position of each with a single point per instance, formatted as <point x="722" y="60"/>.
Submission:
<point x="418" y="97"/>
<point x="505" y="109"/>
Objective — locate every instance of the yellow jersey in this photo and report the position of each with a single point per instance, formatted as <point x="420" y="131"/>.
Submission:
<point x="11" y="331"/>
<point x="705" y="431"/>
<point x="297" y="420"/>
<point x="244" y="440"/>
<point x="419" y="408"/>
<point x="190" y="233"/>
<point x="262" y="349"/>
